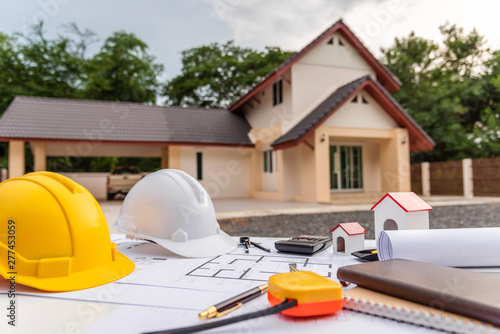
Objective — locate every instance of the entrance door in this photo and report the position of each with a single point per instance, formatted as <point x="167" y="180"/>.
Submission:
<point x="346" y="167"/>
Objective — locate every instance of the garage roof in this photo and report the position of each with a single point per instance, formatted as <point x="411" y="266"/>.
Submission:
<point x="29" y="118"/>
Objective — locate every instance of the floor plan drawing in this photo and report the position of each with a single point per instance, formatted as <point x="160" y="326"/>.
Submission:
<point x="257" y="267"/>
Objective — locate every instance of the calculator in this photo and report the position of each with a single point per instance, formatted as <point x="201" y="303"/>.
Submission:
<point x="304" y="244"/>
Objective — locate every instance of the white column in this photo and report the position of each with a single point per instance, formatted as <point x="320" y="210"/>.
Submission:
<point x="426" y="179"/>
<point x="39" y="156"/>
<point x="16" y="158"/>
<point x="467" y="177"/>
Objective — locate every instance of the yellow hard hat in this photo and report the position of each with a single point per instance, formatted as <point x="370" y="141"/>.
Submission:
<point x="56" y="234"/>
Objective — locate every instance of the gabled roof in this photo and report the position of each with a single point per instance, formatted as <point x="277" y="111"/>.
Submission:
<point x="384" y="75"/>
<point x="408" y="201"/>
<point x="54" y="119"/>
<point x="419" y="139"/>
<point x="350" y="228"/>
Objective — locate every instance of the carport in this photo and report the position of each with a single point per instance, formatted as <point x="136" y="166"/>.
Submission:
<point x="83" y="128"/>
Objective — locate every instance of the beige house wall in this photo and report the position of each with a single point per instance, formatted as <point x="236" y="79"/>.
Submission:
<point x="308" y="175"/>
<point x="336" y="55"/>
<point x="97" y="149"/>
<point x="174" y="157"/>
<point x="395" y="162"/>
<point x="292" y="172"/>
<point x="260" y="111"/>
<point x="226" y="170"/>
<point x="312" y="84"/>
<point x="371" y="157"/>
<point x="361" y="115"/>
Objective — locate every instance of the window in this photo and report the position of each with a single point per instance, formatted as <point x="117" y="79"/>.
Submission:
<point x="358" y="98"/>
<point x="267" y="159"/>
<point x="277" y="92"/>
<point x="199" y="166"/>
<point x="331" y="41"/>
<point x="346" y="167"/>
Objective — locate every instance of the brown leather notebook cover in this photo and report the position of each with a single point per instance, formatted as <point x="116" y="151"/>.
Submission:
<point x="472" y="294"/>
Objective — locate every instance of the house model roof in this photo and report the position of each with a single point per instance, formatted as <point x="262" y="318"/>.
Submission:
<point x="350" y="228"/>
<point x="419" y="139"/>
<point x="56" y="119"/>
<point x="408" y="201"/>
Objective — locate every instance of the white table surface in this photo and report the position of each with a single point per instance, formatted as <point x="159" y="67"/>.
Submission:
<point x="163" y="294"/>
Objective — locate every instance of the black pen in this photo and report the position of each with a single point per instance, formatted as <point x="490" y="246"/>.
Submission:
<point x="223" y="308"/>
<point x="260" y="246"/>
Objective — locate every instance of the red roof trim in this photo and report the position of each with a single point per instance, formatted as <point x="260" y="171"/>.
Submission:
<point x="418" y="140"/>
<point x="311" y="131"/>
<point x="121" y="142"/>
<point x="382" y="74"/>
<point x="350" y="227"/>
<point x="400" y="205"/>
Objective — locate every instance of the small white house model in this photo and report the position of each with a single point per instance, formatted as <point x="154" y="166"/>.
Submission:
<point x="401" y="211"/>
<point x="348" y="238"/>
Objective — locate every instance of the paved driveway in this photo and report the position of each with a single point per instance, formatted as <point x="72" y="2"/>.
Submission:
<point x="251" y="207"/>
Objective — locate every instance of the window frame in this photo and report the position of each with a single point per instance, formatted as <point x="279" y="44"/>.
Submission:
<point x="277" y="92"/>
<point x="267" y="161"/>
<point x="199" y="166"/>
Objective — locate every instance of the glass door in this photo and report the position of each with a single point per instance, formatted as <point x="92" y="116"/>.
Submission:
<point x="346" y="167"/>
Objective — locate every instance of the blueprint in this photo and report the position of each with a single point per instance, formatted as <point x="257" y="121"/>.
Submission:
<point x="168" y="291"/>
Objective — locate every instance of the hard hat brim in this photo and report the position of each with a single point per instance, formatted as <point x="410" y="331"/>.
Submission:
<point x="112" y="271"/>
<point x="210" y="246"/>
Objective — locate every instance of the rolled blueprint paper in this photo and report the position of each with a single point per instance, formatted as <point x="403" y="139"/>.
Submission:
<point x="463" y="247"/>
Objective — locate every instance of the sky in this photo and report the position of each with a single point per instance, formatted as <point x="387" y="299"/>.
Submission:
<point x="170" y="26"/>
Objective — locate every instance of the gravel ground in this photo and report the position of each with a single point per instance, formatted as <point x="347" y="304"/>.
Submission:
<point x="484" y="215"/>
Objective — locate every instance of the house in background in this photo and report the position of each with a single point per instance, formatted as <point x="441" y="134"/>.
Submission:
<point x="322" y="127"/>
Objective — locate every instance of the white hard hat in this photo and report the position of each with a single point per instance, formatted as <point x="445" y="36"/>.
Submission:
<point x="172" y="209"/>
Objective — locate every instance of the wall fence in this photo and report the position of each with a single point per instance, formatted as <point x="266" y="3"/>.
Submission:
<point x="468" y="178"/>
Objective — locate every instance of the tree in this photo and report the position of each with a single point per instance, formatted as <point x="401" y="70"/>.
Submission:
<point x="486" y="130"/>
<point x="123" y="71"/>
<point x="217" y="75"/>
<point x="442" y="88"/>
<point x="34" y="65"/>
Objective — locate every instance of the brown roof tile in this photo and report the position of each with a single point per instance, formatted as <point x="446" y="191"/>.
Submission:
<point x="66" y="119"/>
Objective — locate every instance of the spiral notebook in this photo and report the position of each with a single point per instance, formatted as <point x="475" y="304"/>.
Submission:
<point x="378" y="304"/>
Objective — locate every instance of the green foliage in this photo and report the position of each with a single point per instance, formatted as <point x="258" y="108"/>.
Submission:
<point x="444" y="89"/>
<point x="123" y="71"/>
<point x="217" y="75"/>
<point x="34" y="65"/>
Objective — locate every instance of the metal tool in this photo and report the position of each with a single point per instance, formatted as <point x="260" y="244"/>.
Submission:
<point x="245" y="241"/>
<point x="258" y="245"/>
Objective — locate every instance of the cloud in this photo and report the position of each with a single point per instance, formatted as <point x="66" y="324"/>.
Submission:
<point x="289" y="24"/>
